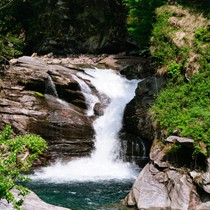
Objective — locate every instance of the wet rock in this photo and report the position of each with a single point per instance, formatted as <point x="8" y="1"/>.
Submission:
<point x="59" y="116"/>
<point x="136" y="118"/>
<point x="98" y="109"/>
<point x="136" y="121"/>
<point x="40" y="95"/>
<point x="134" y="149"/>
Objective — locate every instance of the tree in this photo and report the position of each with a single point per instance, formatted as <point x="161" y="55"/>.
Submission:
<point x="140" y="19"/>
<point x="11" y="43"/>
<point x="16" y="157"/>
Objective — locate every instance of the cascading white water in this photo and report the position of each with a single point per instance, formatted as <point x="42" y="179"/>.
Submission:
<point x="50" y="87"/>
<point x="90" y="98"/>
<point x="104" y="163"/>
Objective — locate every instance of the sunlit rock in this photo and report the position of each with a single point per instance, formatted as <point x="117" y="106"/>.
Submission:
<point x="31" y="202"/>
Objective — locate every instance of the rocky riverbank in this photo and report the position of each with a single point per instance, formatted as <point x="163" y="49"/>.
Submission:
<point x="167" y="182"/>
<point x="31" y="202"/>
<point x="40" y="95"/>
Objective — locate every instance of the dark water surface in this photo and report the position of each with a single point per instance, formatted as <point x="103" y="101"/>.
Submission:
<point x="103" y="195"/>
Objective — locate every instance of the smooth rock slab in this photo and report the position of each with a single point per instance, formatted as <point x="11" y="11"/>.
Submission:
<point x="181" y="140"/>
<point x="148" y="191"/>
<point x="203" y="206"/>
<point x="31" y="202"/>
<point x="168" y="189"/>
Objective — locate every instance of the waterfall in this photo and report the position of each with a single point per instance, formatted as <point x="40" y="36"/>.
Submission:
<point x="50" y="87"/>
<point x="104" y="163"/>
<point x="138" y="152"/>
<point x="90" y="98"/>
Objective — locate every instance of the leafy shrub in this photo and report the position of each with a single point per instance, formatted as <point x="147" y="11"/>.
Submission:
<point x="162" y="45"/>
<point x="174" y="70"/>
<point x="202" y="46"/>
<point x="185" y="108"/>
<point x="10" y="47"/>
<point x="17" y="155"/>
<point x="11" y="44"/>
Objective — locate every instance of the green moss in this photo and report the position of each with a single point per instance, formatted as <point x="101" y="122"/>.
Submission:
<point x="202" y="46"/>
<point x="38" y="94"/>
<point x="174" y="70"/>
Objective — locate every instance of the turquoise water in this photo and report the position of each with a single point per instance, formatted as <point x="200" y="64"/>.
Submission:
<point x="103" y="195"/>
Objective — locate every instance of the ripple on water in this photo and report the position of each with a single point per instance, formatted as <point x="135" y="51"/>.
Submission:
<point x="105" y="195"/>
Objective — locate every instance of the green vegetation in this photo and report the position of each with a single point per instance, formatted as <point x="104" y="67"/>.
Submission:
<point x="180" y="42"/>
<point x="10" y="47"/>
<point x="11" y="37"/>
<point x="16" y="157"/>
<point x="141" y="16"/>
<point x="184" y="108"/>
<point x="178" y="36"/>
<point x="38" y="94"/>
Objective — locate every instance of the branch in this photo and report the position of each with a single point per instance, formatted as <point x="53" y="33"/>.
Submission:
<point x="26" y="155"/>
<point x="7" y="4"/>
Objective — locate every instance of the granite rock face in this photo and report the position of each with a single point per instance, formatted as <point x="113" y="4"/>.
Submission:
<point x="163" y="189"/>
<point x="137" y="127"/>
<point x="162" y="186"/>
<point x="45" y="99"/>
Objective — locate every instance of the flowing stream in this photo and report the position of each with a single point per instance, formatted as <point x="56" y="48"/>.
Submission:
<point x="104" y="167"/>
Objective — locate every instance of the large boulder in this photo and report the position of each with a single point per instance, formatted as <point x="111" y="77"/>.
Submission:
<point x="167" y="183"/>
<point x="46" y="99"/>
<point x="137" y="128"/>
<point x="163" y="189"/>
